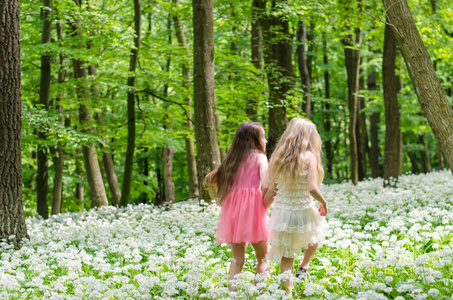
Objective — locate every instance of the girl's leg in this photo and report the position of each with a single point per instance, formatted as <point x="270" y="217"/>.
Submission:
<point x="308" y="256"/>
<point x="287" y="264"/>
<point x="238" y="258"/>
<point x="261" y="258"/>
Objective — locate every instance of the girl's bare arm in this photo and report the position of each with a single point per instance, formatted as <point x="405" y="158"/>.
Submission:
<point x="313" y="189"/>
<point x="262" y="161"/>
<point x="269" y="197"/>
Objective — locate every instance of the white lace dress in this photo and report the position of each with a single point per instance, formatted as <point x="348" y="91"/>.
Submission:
<point x="295" y="221"/>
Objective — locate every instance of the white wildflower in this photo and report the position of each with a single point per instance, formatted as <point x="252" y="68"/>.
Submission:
<point x="433" y="292"/>
<point x="309" y="289"/>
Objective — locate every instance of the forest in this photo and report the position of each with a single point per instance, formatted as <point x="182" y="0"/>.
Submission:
<point x="113" y="112"/>
<point x="109" y="95"/>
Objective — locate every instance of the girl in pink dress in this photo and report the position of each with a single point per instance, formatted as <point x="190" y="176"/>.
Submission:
<point x="240" y="182"/>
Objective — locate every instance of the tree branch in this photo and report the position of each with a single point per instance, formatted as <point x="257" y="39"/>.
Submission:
<point x="182" y="105"/>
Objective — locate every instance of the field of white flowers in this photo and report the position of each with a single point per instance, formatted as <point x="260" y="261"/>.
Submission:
<point x="382" y="244"/>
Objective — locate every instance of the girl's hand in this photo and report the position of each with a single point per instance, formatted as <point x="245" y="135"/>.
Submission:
<point x="268" y="199"/>
<point x="269" y="196"/>
<point x="322" y="209"/>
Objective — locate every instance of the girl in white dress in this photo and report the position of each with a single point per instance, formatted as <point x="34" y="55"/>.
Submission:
<point x="295" y="173"/>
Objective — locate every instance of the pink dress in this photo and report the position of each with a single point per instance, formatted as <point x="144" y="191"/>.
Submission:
<point x="244" y="217"/>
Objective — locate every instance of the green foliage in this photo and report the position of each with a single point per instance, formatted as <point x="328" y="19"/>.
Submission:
<point x="105" y="40"/>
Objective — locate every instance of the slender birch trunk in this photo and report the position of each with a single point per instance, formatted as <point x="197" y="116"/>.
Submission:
<point x="129" y="162"/>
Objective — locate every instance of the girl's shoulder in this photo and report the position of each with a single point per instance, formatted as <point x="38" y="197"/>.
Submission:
<point x="262" y="159"/>
<point x="257" y="155"/>
<point x="261" y="156"/>
<point x="308" y="158"/>
<point x="308" y="155"/>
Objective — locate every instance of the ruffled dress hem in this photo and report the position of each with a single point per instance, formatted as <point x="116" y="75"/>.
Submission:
<point x="292" y="230"/>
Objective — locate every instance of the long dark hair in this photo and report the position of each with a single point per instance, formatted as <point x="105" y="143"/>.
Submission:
<point x="246" y="141"/>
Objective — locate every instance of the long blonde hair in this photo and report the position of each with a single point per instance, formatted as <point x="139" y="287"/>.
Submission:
<point x="245" y="141"/>
<point x="287" y="161"/>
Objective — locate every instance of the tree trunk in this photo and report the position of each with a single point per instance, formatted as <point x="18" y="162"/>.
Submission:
<point x="374" y="133"/>
<point x="400" y="169"/>
<point x="42" y="186"/>
<point x="58" y="181"/>
<point x="208" y="155"/>
<point x="58" y="162"/>
<point x="327" y="123"/>
<point x="112" y="179"/>
<point x="258" y="8"/>
<point x="79" y="192"/>
<point x="191" y="166"/>
<point x="345" y="140"/>
<point x="107" y="159"/>
<point x="93" y="171"/>
<point x="160" y="187"/>
<point x="168" y="151"/>
<point x="352" y="59"/>
<point x="44" y="94"/>
<point x="278" y="49"/>
<point x="109" y="167"/>
<point x="12" y="220"/>
<point x="362" y="136"/>
<point x="415" y="168"/>
<point x="145" y="172"/>
<point x="426" y="161"/>
<point x="441" y="158"/>
<point x="303" y="68"/>
<point x="169" y="185"/>
<point x="427" y="86"/>
<point x="218" y="127"/>
<point x="390" y="84"/>
<point x="58" y="153"/>
<point x="190" y="149"/>
<point x="34" y="156"/>
<point x="361" y="159"/>
<point x="311" y="46"/>
<point x="129" y="162"/>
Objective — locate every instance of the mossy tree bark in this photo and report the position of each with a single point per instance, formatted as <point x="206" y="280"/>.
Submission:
<point x="12" y="220"/>
<point x="208" y="154"/>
